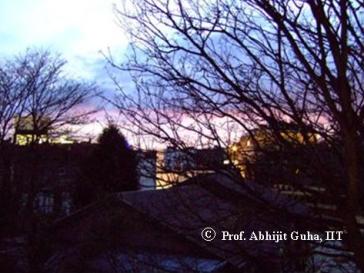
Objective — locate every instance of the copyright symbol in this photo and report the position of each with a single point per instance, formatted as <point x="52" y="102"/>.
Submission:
<point x="208" y="234"/>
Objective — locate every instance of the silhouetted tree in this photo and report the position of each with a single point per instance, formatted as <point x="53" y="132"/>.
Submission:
<point x="111" y="167"/>
<point x="201" y="66"/>
<point x="118" y="161"/>
<point x="36" y="98"/>
<point x="13" y="95"/>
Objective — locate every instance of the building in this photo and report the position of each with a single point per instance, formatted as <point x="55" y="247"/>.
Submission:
<point x="177" y="165"/>
<point x="46" y="174"/>
<point x="159" y="229"/>
<point x="49" y="174"/>
<point x="166" y="168"/>
<point x="26" y="132"/>
<point x="262" y="140"/>
<point x="147" y="169"/>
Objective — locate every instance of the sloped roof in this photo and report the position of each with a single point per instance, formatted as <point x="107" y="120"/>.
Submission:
<point x="217" y="201"/>
<point x="149" y="262"/>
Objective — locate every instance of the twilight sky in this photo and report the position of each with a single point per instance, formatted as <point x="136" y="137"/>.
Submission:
<point x="78" y="29"/>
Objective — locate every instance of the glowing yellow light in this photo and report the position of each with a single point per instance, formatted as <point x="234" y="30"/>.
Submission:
<point x="234" y="148"/>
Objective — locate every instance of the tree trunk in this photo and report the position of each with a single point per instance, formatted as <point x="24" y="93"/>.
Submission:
<point x="352" y="160"/>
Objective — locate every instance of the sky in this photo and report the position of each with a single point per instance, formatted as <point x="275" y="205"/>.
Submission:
<point x="77" y="29"/>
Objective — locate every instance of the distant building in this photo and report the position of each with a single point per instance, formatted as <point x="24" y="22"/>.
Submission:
<point x="26" y="132"/>
<point x="50" y="177"/>
<point x="163" y="169"/>
<point x="244" y="151"/>
<point x="147" y="169"/>
<point x="176" y="165"/>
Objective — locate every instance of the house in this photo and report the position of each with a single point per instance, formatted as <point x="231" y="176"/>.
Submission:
<point x="46" y="174"/>
<point x="27" y="131"/>
<point x="304" y="167"/>
<point x="161" y="229"/>
<point x="49" y="173"/>
<point x="262" y="140"/>
<point x="147" y="169"/>
<point x="176" y="165"/>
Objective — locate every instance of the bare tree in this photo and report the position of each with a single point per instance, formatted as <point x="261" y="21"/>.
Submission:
<point x="12" y="100"/>
<point x="40" y="101"/>
<point x="13" y="96"/>
<point x="200" y="66"/>
<point x="52" y="100"/>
